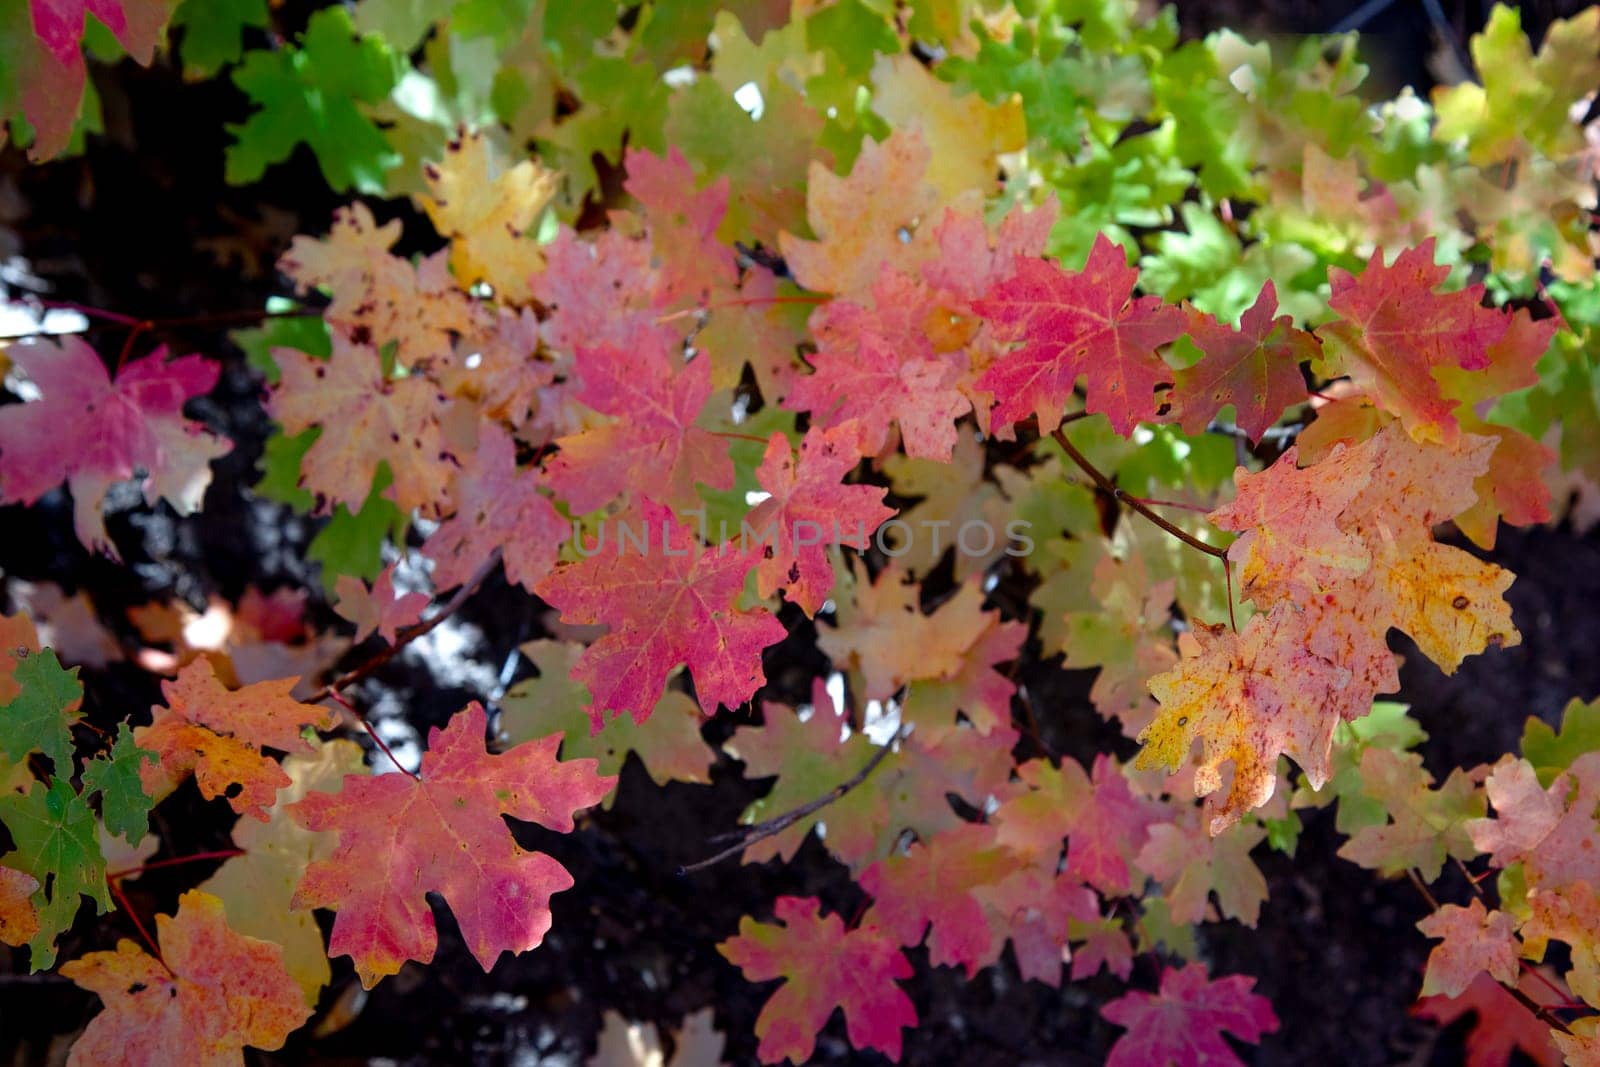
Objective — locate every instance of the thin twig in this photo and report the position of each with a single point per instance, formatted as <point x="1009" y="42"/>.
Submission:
<point x="219" y="854"/>
<point x="1540" y="1011"/>
<point x="749" y="835"/>
<point x="1122" y="496"/>
<point x="410" y="633"/>
<point x="1132" y="501"/>
<point x="109" y="319"/>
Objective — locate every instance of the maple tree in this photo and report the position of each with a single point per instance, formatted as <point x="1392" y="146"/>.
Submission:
<point x="718" y="333"/>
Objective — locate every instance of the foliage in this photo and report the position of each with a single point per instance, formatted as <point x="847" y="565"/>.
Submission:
<point x="703" y="288"/>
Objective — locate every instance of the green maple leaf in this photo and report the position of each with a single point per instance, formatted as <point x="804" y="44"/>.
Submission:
<point x="124" y="805"/>
<point x="310" y="94"/>
<point x="213" y="32"/>
<point x="352" y="542"/>
<point x="41" y="716"/>
<point x="1551" y="752"/>
<point x="58" y="843"/>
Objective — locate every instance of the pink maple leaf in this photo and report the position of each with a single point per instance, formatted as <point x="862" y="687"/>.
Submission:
<point x="1183" y="1024"/>
<point x="653" y="442"/>
<point x="1078" y="323"/>
<point x="872" y="384"/>
<point x="932" y="885"/>
<point x="826" y="967"/>
<point x="667" y="601"/>
<point x="498" y="505"/>
<point x="90" y="431"/>
<point x="809" y="509"/>
<point x="1473" y="941"/>
<point x="403" y="837"/>
<point x="683" y="225"/>
<point x="377" y="609"/>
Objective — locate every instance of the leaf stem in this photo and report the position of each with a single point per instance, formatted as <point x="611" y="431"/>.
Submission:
<point x="749" y="835"/>
<point x="133" y="917"/>
<point x="339" y="698"/>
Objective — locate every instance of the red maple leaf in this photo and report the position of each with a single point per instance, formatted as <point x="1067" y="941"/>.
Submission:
<point x="1395" y="331"/>
<point x="1077" y="323"/>
<point x="667" y="602"/>
<point x="498" y="505"/>
<point x="403" y="837"/>
<point x="1183" y="1024"/>
<point x="826" y="966"/>
<point x="655" y="398"/>
<point x="1256" y="368"/>
<point x="810" y="509"/>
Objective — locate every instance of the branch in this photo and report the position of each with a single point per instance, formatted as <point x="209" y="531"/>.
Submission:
<point x="1540" y="1012"/>
<point x="749" y="835"/>
<point x="410" y="633"/>
<point x="1133" y="502"/>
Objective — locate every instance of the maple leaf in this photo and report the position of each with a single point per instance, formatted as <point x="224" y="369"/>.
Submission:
<point x="1551" y="831"/>
<point x="825" y="967"/>
<point x="683" y="225"/>
<point x="213" y="992"/>
<point x="1104" y="822"/>
<point x="1256" y="368"/>
<point x="117" y="777"/>
<point x="1127" y="637"/>
<point x="870" y="385"/>
<point x="380" y="298"/>
<point x="218" y="736"/>
<point x="486" y="212"/>
<point x="667" y="602"/>
<point x="1077" y="323"/>
<point x="1192" y="865"/>
<point x="881" y="633"/>
<point x="668" y="743"/>
<point x="1036" y="910"/>
<point x="257" y="887"/>
<point x="1291" y="546"/>
<point x="756" y="324"/>
<point x="931" y="885"/>
<point x="808" y="509"/>
<point x="91" y="431"/>
<point x="364" y="420"/>
<point x="497" y="505"/>
<point x="1475" y="941"/>
<point x="965" y="133"/>
<point x="402" y="837"/>
<point x="40" y="717"/>
<point x="808" y="756"/>
<point x="654" y="442"/>
<point x="1395" y="331"/>
<point x="19" y="920"/>
<point x="1503" y="1025"/>
<point x="377" y="609"/>
<point x="51" y="72"/>
<point x="1249" y="696"/>
<point x="600" y="292"/>
<point x="496" y="366"/>
<point x="1570" y="913"/>
<point x="863" y="221"/>
<point x="56" y="844"/>
<point x="1185" y="1022"/>
<point x="1427" y="824"/>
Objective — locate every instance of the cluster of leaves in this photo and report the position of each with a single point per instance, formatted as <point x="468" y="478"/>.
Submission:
<point x="842" y="260"/>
